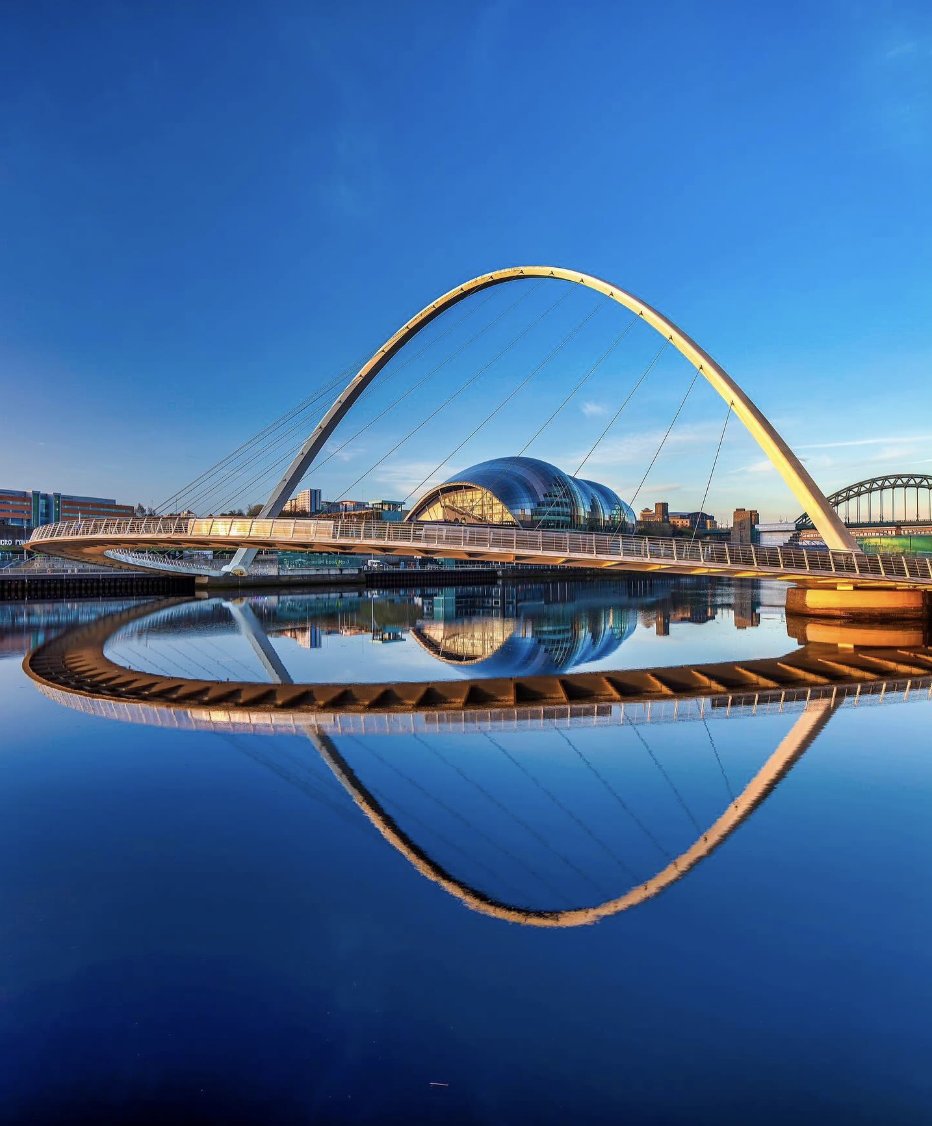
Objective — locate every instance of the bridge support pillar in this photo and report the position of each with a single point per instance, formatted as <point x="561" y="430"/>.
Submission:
<point x="850" y="602"/>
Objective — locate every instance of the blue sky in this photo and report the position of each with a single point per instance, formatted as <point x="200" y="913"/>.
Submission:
<point x="209" y="211"/>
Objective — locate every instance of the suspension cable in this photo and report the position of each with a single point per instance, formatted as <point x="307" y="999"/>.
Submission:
<point x="585" y="379"/>
<point x="718" y="759"/>
<point x="644" y="374"/>
<point x="676" y="793"/>
<point x="595" y="445"/>
<point x="540" y="786"/>
<point x="708" y="483"/>
<point x="663" y="440"/>
<point x="524" y="382"/>
<point x="433" y="371"/>
<point x="210" y="488"/>
<point x="614" y="793"/>
<point x="476" y="830"/>
<point x="472" y="379"/>
<point x="503" y="848"/>
<point x="313" y="786"/>
<point x="301" y="407"/>
<point x="272" y="426"/>
<point x="384" y="802"/>
<point x="289" y="453"/>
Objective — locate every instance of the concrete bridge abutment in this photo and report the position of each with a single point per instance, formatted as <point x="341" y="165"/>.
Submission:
<point x="849" y="602"/>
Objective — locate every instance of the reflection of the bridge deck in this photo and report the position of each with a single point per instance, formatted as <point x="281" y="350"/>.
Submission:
<point x="533" y="812"/>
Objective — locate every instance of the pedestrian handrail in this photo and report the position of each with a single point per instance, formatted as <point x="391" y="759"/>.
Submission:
<point x="571" y="546"/>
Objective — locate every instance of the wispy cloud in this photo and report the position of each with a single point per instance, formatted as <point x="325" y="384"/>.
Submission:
<point x="903" y="47"/>
<point x="397" y="479"/>
<point x="335" y="451"/>
<point x="899" y="439"/>
<point x="639" y="448"/>
<point x="763" y="465"/>
<point x="900" y="86"/>
<point x="592" y="410"/>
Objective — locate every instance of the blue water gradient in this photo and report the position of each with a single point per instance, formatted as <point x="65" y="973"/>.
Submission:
<point x="203" y="927"/>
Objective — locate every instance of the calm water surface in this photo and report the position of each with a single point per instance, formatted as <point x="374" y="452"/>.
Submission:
<point x="209" y="918"/>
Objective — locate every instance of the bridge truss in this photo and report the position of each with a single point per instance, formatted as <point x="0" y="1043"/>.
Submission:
<point x="896" y="499"/>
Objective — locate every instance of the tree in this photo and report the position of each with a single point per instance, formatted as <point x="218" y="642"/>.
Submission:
<point x="254" y="510"/>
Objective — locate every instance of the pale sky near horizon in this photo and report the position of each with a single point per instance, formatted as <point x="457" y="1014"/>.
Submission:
<point x="210" y="211"/>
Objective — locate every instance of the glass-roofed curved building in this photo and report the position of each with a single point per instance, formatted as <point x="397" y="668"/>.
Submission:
<point x="524" y="492"/>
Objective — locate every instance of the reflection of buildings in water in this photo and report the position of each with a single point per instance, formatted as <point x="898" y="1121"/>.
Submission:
<point x="672" y="612"/>
<point x="689" y="601"/>
<point x="73" y="669"/>
<point x="25" y="625"/>
<point x="508" y="629"/>
<point x="308" y="637"/>
<point x="745" y="604"/>
<point x="519" y="630"/>
<point x="306" y="618"/>
<point x="468" y="641"/>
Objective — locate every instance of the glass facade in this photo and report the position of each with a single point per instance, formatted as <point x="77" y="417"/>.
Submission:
<point x="527" y="493"/>
<point x="30" y="509"/>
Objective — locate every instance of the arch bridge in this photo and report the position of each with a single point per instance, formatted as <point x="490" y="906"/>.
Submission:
<point x="896" y="499"/>
<point x="130" y="542"/>
<point x="115" y="541"/>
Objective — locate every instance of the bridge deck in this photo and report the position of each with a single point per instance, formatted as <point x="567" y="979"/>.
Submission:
<point x="104" y="540"/>
<point x="76" y="662"/>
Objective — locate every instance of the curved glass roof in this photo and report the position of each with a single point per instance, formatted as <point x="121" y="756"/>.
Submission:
<point x="535" y="493"/>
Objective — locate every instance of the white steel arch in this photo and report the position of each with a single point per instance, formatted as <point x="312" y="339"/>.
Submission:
<point x="836" y="535"/>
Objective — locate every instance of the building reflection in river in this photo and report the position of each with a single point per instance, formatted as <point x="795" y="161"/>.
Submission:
<point x="521" y="629"/>
<point x="496" y="630"/>
<point x="554" y="816"/>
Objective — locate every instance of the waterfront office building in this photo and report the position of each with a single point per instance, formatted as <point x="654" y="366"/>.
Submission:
<point x="28" y="509"/>
<point x="524" y="492"/>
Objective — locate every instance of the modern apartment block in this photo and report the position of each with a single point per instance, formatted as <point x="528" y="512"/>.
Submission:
<point x="30" y="508"/>
<point x="305" y="503"/>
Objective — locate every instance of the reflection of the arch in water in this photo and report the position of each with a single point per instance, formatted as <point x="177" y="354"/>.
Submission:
<point x="805" y="729"/>
<point x="101" y="694"/>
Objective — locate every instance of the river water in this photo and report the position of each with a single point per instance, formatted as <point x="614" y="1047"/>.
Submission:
<point x="704" y="910"/>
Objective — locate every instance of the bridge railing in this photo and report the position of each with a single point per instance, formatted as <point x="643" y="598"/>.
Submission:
<point x="575" y="546"/>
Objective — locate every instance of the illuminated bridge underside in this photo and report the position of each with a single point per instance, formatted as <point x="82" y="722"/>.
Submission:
<point x="76" y="663"/>
<point x="108" y="690"/>
<point x="73" y="668"/>
<point x="103" y="540"/>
